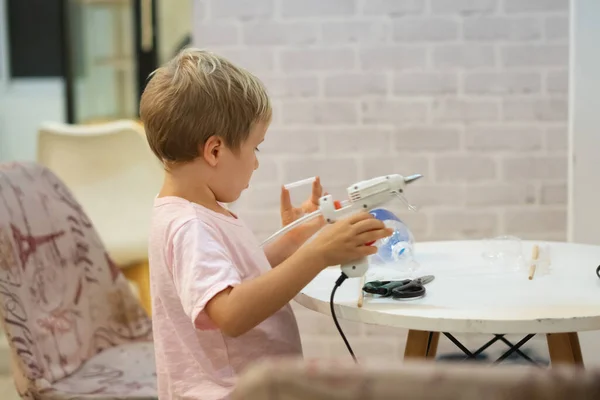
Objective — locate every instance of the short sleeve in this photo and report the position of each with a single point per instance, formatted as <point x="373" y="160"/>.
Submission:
<point x="201" y="267"/>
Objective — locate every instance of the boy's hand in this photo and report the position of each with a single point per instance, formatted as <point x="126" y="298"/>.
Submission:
<point x="344" y="240"/>
<point x="290" y="213"/>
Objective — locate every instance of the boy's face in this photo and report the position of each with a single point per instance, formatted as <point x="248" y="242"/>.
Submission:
<point x="237" y="167"/>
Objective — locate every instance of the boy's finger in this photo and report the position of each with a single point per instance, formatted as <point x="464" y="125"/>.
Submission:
<point x="360" y="216"/>
<point x="317" y="191"/>
<point x="286" y="201"/>
<point x="373" y="236"/>
<point x="368" y="225"/>
<point x="364" y="251"/>
<point x="367" y="250"/>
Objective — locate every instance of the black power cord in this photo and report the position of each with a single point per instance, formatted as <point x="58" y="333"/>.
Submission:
<point x="338" y="283"/>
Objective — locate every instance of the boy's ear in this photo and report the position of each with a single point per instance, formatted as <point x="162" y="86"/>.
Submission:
<point x="212" y="150"/>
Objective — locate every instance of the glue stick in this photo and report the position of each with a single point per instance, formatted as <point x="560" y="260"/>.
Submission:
<point x="299" y="183"/>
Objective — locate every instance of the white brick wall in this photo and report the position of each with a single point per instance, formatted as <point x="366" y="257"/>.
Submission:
<point x="470" y="93"/>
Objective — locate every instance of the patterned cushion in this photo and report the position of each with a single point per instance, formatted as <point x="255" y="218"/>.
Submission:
<point x="62" y="299"/>
<point x="126" y="370"/>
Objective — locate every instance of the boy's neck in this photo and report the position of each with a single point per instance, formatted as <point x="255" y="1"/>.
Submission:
<point x="180" y="182"/>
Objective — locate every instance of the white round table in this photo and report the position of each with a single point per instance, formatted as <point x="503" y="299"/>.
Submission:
<point x="470" y="295"/>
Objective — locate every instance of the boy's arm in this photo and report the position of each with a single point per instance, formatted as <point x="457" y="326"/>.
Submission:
<point x="237" y="310"/>
<point x="213" y="292"/>
<point x="280" y="249"/>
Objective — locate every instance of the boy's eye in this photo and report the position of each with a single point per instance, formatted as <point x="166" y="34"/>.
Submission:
<point x="256" y="148"/>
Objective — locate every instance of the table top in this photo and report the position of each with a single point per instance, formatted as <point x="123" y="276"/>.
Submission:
<point x="470" y="295"/>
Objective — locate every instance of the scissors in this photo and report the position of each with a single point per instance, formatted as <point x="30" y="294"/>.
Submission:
<point x="406" y="289"/>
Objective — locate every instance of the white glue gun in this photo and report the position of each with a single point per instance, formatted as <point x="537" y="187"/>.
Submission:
<point x="362" y="196"/>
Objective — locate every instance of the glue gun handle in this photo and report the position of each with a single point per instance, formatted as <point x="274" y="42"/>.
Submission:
<point x="356" y="269"/>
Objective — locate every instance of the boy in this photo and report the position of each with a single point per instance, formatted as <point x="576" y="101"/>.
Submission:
<point x="219" y="300"/>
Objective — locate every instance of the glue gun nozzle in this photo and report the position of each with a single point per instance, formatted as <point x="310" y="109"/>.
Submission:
<point x="412" y="178"/>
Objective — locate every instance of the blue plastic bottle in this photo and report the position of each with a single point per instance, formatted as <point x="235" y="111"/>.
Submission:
<point x="398" y="246"/>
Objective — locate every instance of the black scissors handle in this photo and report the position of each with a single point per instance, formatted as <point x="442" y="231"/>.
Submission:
<point x="384" y="288"/>
<point x="413" y="289"/>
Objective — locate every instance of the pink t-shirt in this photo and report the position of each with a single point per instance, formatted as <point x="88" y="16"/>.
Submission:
<point x="194" y="254"/>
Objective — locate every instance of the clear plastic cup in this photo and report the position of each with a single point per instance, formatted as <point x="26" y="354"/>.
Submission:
<point x="504" y="252"/>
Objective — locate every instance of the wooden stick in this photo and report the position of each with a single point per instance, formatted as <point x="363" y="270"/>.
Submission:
<point x="361" y="294"/>
<point x="534" y="256"/>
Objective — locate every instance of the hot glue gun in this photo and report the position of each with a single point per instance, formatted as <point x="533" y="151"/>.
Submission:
<point x="362" y="196"/>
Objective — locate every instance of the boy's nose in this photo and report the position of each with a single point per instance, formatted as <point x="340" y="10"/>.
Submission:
<point x="255" y="164"/>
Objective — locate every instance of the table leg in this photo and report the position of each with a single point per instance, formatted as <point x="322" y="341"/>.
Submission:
<point x="421" y="344"/>
<point x="564" y="348"/>
<point x="435" y="339"/>
<point x="574" y="339"/>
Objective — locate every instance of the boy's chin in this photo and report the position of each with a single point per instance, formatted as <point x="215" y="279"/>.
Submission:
<point x="233" y="197"/>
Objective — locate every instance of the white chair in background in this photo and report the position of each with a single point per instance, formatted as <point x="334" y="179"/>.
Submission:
<point x="115" y="176"/>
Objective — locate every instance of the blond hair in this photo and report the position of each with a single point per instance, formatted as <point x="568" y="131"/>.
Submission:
<point x="197" y="95"/>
